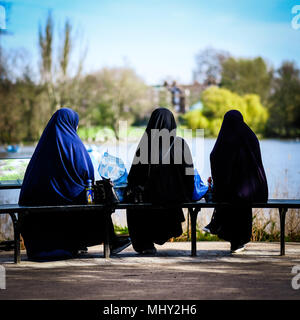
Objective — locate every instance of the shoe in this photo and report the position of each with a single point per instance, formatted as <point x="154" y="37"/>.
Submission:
<point x="211" y="228"/>
<point x="206" y="229"/>
<point x="120" y="244"/>
<point x="83" y="250"/>
<point x="149" y="251"/>
<point x="237" y="249"/>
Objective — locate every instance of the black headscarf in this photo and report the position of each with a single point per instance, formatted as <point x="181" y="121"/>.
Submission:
<point x="161" y="160"/>
<point x="236" y="164"/>
<point x="161" y="118"/>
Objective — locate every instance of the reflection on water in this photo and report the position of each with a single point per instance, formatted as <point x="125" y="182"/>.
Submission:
<point x="281" y="161"/>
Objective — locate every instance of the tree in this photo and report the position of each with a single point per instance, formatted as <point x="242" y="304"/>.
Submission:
<point x="62" y="88"/>
<point x="209" y="65"/>
<point x="195" y="120"/>
<point x="46" y="64"/>
<point x="217" y="101"/>
<point x="284" y="103"/>
<point x="255" y="114"/>
<point x="11" y="114"/>
<point x="21" y="116"/>
<point x="25" y="105"/>
<point x="245" y="76"/>
<point x="121" y="95"/>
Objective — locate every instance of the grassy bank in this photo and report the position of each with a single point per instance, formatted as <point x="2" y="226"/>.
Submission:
<point x="13" y="169"/>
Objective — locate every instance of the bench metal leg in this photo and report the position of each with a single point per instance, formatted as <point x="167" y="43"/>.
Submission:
<point x="17" y="251"/>
<point x="194" y="214"/>
<point x="106" y="249"/>
<point x="282" y="215"/>
<point x="188" y="226"/>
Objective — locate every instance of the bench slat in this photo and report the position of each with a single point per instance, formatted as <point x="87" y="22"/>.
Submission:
<point x="272" y="203"/>
<point x="194" y="207"/>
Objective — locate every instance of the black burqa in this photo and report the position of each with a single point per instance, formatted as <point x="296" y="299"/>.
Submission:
<point x="165" y="169"/>
<point x="238" y="176"/>
<point x="56" y="175"/>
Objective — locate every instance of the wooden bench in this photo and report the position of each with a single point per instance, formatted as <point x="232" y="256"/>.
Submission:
<point x="14" y="210"/>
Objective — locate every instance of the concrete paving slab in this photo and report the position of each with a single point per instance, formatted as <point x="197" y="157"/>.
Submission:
<point x="257" y="273"/>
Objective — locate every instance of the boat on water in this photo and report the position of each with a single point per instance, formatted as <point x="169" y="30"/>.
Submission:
<point x="12" y="148"/>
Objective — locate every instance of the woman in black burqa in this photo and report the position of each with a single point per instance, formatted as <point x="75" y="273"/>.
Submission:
<point x="238" y="177"/>
<point x="165" y="172"/>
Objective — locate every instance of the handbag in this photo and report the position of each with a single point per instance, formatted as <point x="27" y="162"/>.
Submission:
<point x="200" y="189"/>
<point x="104" y="192"/>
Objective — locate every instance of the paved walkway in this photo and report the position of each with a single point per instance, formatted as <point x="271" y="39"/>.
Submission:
<point x="258" y="273"/>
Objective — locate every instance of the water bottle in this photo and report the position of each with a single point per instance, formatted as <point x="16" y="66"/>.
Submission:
<point x="210" y="183"/>
<point x="209" y="194"/>
<point x="89" y="192"/>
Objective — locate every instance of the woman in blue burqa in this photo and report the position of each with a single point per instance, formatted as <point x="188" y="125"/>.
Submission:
<point x="163" y="169"/>
<point x="57" y="175"/>
<point x="238" y="178"/>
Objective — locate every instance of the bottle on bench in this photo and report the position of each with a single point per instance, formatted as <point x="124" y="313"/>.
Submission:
<point x="89" y="192"/>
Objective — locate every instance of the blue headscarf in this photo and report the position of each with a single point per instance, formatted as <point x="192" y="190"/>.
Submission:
<point x="60" y="166"/>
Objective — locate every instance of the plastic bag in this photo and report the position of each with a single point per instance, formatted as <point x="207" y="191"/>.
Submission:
<point x="113" y="168"/>
<point x="200" y="188"/>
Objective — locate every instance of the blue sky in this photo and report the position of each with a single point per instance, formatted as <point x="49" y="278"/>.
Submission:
<point x="161" y="38"/>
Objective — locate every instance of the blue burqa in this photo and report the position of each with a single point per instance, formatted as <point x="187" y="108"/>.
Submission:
<point x="56" y="175"/>
<point x="60" y="166"/>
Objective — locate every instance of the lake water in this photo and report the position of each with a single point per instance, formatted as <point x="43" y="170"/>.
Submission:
<point x="281" y="160"/>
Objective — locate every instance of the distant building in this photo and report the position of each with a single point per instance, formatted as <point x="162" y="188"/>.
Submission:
<point x="160" y="96"/>
<point x="181" y="97"/>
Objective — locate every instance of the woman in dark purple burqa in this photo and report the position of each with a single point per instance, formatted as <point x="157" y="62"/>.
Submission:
<point x="57" y="174"/>
<point x="238" y="177"/>
<point x="163" y="166"/>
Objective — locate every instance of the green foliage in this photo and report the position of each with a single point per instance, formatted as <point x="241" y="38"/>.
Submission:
<point x="245" y="76"/>
<point x="214" y="127"/>
<point x="200" y="236"/>
<point x="122" y="95"/>
<point x="121" y="230"/>
<point x="255" y="114"/>
<point x="217" y="101"/>
<point x="195" y="120"/>
<point x="12" y="169"/>
<point x="284" y="103"/>
<point x="256" y="83"/>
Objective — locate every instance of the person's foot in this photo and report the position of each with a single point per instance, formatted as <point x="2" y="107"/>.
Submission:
<point x="120" y="244"/>
<point x="235" y="248"/>
<point x="83" y="250"/>
<point x="206" y="229"/>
